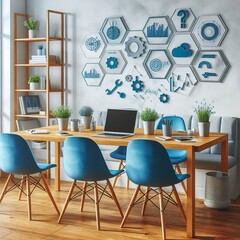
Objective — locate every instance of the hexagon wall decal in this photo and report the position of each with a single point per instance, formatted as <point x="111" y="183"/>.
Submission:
<point x="210" y="30"/>
<point x="158" y="30"/>
<point x="182" y="48"/>
<point x="211" y="66"/>
<point x="182" y="80"/>
<point x="92" y="74"/>
<point x="114" y="30"/>
<point x="93" y="45"/>
<point x="183" y="19"/>
<point x="113" y="62"/>
<point x="157" y="64"/>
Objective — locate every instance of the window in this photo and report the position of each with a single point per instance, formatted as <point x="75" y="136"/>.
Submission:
<point x="0" y="66"/>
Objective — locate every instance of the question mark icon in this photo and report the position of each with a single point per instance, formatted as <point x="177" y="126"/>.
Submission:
<point x="183" y="13"/>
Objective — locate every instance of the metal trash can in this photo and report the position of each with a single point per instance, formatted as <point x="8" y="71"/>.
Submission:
<point x="217" y="190"/>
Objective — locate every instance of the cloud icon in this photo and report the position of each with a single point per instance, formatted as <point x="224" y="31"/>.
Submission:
<point x="182" y="51"/>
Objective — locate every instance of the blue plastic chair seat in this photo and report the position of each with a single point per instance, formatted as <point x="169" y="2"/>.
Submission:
<point x="119" y="153"/>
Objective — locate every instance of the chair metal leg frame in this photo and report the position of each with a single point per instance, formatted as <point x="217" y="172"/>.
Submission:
<point x="178" y="170"/>
<point x="121" y="166"/>
<point x="99" y="191"/>
<point x="28" y="181"/>
<point x="162" y="195"/>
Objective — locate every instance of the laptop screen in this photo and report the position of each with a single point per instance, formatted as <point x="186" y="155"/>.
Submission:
<point x="120" y="120"/>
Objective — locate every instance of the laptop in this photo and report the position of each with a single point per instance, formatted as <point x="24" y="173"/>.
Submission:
<point x="120" y="123"/>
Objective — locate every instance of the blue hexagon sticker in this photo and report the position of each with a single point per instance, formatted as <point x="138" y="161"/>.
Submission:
<point x="157" y="30"/>
<point x="93" y="45"/>
<point x="114" y="30"/>
<point x="113" y="62"/>
<point x="92" y="74"/>
<point x="211" y="66"/>
<point x="157" y="64"/>
<point x="183" y="19"/>
<point x="182" y="48"/>
<point x="210" y="30"/>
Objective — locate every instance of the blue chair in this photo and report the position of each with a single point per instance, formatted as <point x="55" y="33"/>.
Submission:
<point x="83" y="161"/>
<point x="120" y="154"/>
<point x="16" y="158"/>
<point x="148" y="164"/>
<point x="176" y="156"/>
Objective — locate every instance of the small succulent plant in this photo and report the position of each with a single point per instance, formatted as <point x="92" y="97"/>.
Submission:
<point x="86" y="111"/>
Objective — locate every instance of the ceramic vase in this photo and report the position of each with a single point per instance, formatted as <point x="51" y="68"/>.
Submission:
<point x="148" y="127"/>
<point x="32" y="33"/>
<point x="203" y="128"/>
<point x="34" y="86"/>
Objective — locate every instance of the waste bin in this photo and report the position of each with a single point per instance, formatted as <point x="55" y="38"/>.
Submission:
<point x="217" y="190"/>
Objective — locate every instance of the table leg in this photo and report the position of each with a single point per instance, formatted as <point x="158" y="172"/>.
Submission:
<point x="191" y="193"/>
<point x="57" y="169"/>
<point x="224" y="155"/>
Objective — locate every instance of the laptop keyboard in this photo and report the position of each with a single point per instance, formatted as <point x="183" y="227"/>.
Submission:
<point x="112" y="134"/>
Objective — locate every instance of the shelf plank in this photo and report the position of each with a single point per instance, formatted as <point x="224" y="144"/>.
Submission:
<point x="28" y="90"/>
<point x="37" y="65"/>
<point x="31" y="116"/>
<point x="42" y="39"/>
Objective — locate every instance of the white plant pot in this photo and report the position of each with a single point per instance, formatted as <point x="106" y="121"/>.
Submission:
<point x="32" y="33"/>
<point x="148" y="127"/>
<point x="86" y="120"/>
<point x="34" y="86"/>
<point x="62" y="124"/>
<point x="203" y="128"/>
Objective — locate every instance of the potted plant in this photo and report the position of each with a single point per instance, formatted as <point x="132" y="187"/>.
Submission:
<point x="33" y="81"/>
<point x="62" y="113"/>
<point x="86" y="113"/>
<point x="149" y="116"/>
<point x="32" y="25"/>
<point x="204" y="111"/>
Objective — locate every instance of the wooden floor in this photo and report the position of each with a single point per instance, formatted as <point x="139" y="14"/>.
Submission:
<point x="14" y="224"/>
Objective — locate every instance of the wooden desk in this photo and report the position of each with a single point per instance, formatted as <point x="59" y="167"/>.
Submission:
<point x="191" y="148"/>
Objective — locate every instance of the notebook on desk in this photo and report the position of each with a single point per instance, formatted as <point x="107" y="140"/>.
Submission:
<point x="120" y="123"/>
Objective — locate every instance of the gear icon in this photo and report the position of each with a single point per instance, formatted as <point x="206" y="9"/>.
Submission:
<point x="164" y="98"/>
<point x="112" y="62"/>
<point x="128" y="78"/>
<point x="137" y="85"/>
<point x="140" y="47"/>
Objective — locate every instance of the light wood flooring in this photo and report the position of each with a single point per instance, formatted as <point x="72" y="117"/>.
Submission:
<point x="14" y="224"/>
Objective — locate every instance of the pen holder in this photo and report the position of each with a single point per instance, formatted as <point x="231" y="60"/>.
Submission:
<point x="167" y="130"/>
<point x="74" y="125"/>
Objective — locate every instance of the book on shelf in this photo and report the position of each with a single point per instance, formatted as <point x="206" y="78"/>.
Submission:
<point x="29" y="104"/>
<point x="43" y="59"/>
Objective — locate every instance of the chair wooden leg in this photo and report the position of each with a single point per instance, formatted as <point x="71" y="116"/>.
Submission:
<point x="162" y="213"/>
<point x="145" y="201"/>
<point x="67" y="200"/>
<point x="22" y="186"/>
<point x="182" y="183"/>
<point x="49" y="193"/>
<point x="116" y="178"/>
<point x="5" y="187"/>
<point x="127" y="182"/>
<point x="130" y="206"/>
<point x="83" y="196"/>
<point x="28" y="197"/>
<point x="96" y="205"/>
<point x="114" y="197"/>
<point x="179" y="203"/>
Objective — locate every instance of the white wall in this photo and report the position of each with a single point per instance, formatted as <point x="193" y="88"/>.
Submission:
<point x="8" y="9"/>
<point x="84" y="17"/>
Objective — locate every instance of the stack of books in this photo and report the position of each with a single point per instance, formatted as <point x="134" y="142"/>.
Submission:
<point x="42" y="59"/>
<point x="38" y="144"/>
<point x="29" y="104"/>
